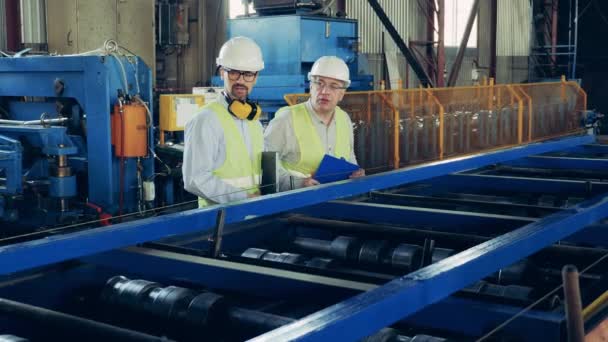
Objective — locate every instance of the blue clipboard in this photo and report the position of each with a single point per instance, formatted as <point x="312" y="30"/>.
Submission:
<point x="333" y="169"/>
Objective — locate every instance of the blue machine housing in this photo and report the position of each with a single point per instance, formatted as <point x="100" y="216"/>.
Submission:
<point x="290" y="45"/>
<point x="82" y="90"/>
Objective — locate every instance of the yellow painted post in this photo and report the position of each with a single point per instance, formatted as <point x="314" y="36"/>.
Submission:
<point x="396" y="125"/>
<point x="386" y="100"/>
<point x="441" y="129"/>
<point x="399" y="94"/>
<point x="434" y="99"/>
<point x="498" y="98"/>
<point x="412" y="105"/>
<point x="584" y="99"/>
<point x="563" y="89"/>
<point x="581" y="92"/>
<point x="520" y="115"/>
<point x="369" y="108"/>
<point x="529" y="98"/>
<point x="491" y="94"/>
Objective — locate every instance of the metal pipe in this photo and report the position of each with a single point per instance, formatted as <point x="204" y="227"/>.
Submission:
<point x="441" y="43"/>
<point x="432" y="71"/>
<point x="554" y="11"/>
<point x="33" y="122"/>
<point x="63" y="204"/>
<point x="493" y="36"/>
<point x="72" y="323"/>
<point x="13" y="25"/>
<point x="573" y="76"/>
<point x="463" y="45"/>
<point x="256" y="321"/>
<point x="574" y="313"/>
<point x="341" y="6"/>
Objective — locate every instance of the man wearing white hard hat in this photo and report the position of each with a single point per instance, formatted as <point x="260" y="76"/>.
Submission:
<point x="302" y="134"/>
<point x="224" y="142"/>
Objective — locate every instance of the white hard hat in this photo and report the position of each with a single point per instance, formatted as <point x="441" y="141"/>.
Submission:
<point x="330" y="66"/>
<point x="241" y="53"/>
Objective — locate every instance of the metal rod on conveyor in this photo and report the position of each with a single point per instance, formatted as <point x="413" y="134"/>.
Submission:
<point x="78" y="325"/>
<point x="33" y="122"/>
<point x="256" y="321"/>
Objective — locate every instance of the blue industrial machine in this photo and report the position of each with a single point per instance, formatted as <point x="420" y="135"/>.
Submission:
<point x="291" y="43"/>
<point x="59" y="119"/>
<point x="441" y="251"/>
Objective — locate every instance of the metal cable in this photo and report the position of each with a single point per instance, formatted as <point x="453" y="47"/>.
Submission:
<point x="529" y="307"/>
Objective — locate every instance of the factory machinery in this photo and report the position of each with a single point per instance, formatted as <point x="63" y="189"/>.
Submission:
<point x="476" y="200"/>
<point x="76" y="138"/>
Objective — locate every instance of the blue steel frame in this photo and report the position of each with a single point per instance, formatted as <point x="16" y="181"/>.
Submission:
<point x="93" y="82"/>
<point x="368" y="312"/>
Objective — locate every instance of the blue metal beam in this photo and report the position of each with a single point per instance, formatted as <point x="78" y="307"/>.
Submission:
<point x="569" y="163"/>
<point x="444" y="220"/>
<point x="471" y="183"/>
<point x="591" y="149"/>
<point x="366" y="313"/>
<point x="58" y="248"/>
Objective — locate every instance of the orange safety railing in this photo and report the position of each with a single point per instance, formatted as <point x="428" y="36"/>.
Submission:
<point x="403" y="127"/>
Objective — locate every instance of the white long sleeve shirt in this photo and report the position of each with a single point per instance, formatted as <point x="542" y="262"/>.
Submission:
<point x="205" y="151"/>
<point x="280" y="137"/>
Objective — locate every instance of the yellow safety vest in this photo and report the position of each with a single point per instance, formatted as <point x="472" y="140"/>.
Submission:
<point x="239" y="169"/>
<point x="311" y="148"/>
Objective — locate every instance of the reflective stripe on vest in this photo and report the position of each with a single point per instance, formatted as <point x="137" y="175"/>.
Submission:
<point x="239" y="169"/>
<point x="311" y="148"/>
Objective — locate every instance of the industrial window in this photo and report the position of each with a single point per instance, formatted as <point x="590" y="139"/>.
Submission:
<point x="235" y="8"/>
<point x="456" y="16"/>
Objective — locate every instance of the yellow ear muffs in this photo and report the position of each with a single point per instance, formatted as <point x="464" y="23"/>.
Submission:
<point x="244" y="110"/>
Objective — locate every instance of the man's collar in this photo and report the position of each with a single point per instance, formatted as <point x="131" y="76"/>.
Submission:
<point x="316" y="116"/>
